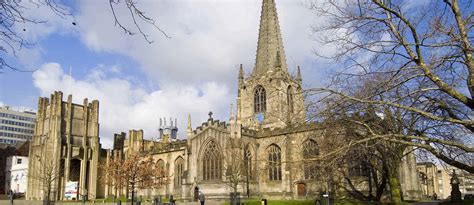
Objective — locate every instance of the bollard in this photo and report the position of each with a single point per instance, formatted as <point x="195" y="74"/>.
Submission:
<point x="264" y="201"/>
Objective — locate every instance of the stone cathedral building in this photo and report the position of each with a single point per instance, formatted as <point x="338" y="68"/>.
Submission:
<point x="268" y="121"/>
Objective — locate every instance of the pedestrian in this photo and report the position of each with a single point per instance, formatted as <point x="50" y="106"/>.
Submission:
<point x="201" y="198"/>
<point x="435" y="196"/>
<point x="10" y="196"/>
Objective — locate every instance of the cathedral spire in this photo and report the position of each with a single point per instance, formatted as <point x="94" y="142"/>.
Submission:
<point x="270" y="52"/>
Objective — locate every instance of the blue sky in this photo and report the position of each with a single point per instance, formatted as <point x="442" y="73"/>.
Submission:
<point x="137" y="83"/>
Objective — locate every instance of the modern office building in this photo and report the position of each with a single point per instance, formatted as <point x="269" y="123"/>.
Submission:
<point x="16" y="126"/>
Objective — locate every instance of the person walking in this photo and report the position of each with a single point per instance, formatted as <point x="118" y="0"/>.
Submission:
<point x="10" y="196"/>
<point x="201" y="198"/>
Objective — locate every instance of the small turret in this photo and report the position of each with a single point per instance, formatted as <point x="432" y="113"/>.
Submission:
<point x="298" y="75"/>
<point x="241" y="75"/>
<point x="189" y="128"/>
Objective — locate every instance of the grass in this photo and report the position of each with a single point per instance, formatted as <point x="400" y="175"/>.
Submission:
<point x="308" y="202"/>
<point x="464" y="202"/>
<point x="275" y="202"/>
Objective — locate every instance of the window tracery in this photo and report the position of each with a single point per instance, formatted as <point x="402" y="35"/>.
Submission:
<point x="274" y="163"/>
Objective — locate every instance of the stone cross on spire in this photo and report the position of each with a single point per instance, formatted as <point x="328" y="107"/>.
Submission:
<point x="270" y="52"/>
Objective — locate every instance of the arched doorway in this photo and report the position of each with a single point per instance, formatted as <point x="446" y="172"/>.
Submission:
<point x="301" y="187"/>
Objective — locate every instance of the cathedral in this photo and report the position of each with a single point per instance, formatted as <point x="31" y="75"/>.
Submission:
<point x="268" y="123"/>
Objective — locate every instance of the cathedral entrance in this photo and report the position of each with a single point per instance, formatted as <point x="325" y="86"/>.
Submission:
<point x="74" y="170"/>
<point x="301" y="187"/>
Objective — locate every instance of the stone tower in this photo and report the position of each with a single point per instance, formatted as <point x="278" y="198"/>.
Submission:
<point x="65" y="147"/>
<point x="270" y="97"/>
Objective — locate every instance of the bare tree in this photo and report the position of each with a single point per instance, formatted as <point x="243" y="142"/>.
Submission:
<point x="414" y="61"/>
<point x="15" y="13"/>
<point x="135" y="172"/>
<point x="235" y="172"/>
<point x="47" y="175"/>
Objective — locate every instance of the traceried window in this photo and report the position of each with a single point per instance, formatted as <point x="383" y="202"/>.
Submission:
<point x="274" y="163"/>
<point x="310" y="150"/>
<point x="248" y="162"/>
<point x="358" y="167"/>
<point x="161" y="170"/>
<point x="289" y="95"/>
<point x="178" y="171"/>
<point x="260" y="100"/>
<point x="212" y="162"/>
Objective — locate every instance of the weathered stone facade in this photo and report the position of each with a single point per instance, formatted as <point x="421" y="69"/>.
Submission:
<point x="66" y="140"/>
<point x="268" y="123"/>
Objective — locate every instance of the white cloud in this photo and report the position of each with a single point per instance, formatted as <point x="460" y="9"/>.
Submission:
<point x="123" y="106"/>
<point x="209" y="38"/>
<point x="196" y="70"/>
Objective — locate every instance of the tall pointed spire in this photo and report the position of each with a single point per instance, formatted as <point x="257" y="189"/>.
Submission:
<point x="270" y="51"/>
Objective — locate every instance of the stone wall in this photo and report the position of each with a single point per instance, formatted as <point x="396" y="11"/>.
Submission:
<point x="66" y="139"/>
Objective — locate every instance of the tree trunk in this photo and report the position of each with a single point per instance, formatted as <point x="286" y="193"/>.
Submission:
<point x="394" y="183"/>
<point x="133" y="193"/>
<point x="48" y="195"/>
<point x="381" y="188"/>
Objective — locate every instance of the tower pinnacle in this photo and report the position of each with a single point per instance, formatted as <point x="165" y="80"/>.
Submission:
<point x="270" y="52"/>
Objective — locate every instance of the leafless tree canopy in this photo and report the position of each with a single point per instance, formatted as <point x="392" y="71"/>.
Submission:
<point x="14" y="14"/>
<point x="413" y="61"/>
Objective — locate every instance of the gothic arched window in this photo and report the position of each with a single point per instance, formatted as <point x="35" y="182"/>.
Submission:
<point x="248" y="162"/>
<point x="178" y="171"/>
<point x="260" y="100"/>
<point x="161" y="170"/>
<point x="211" y="162"/>
<point x="274" y="163"/>
<point x="310" y="150"/>
<point x="289" y="95"/>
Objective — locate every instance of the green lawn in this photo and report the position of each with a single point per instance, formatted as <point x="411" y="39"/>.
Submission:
<point x="306" y="202"/>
